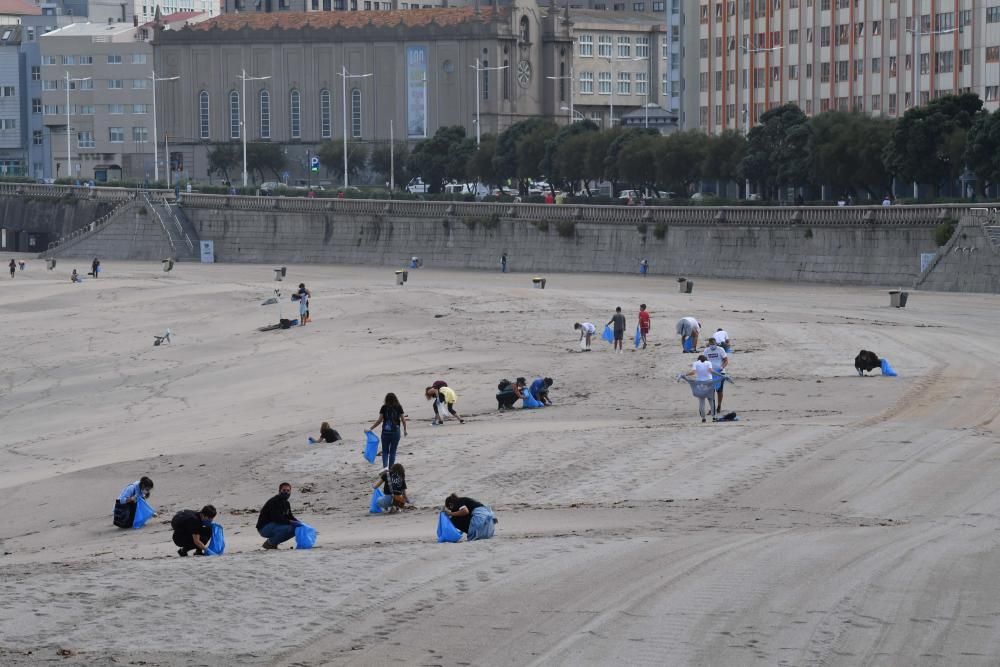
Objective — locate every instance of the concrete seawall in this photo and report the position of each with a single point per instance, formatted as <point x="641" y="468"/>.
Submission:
<point x="53" y="217"/>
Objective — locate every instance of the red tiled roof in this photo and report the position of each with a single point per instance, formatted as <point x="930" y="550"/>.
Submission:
<point x="19" y="8"/>
<point x="409" y="18"/>
<point x="166" y="19"/>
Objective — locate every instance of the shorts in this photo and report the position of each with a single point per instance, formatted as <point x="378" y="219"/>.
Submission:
<point x="718" y="385"/>
<point x="619" y="335"/>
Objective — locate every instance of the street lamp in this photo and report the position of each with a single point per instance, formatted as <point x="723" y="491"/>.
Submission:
<point x="345" y="76"/>
<point x="916" y="35"/>
<point x="647" y="106"/>
<point x="750" y="87"/>
<point x="156" y="137"/>
<point x="575" y="112"/>
<point x="243" y="118"/>
<point x="69" y="149"/>
<point x="479" y="69"/>
<point x="611" y="99"/>
<point x="570" y="79"/>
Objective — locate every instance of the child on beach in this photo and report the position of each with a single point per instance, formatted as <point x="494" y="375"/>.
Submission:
<point x="586" y="330"/>
<point x="392" y="417"/>
<point x="644" y="323"/>
<point x="539" y="389"/>
<point x="326" y="434"/>
<point x="618" y="322"/>
<point x="443" y="397"/>
<point x="393" y="483"/>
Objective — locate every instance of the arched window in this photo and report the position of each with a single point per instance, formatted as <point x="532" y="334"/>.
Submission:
<point x="234" y="115"/>
<point x="265" y="114"/>
<point x="525" y="32"/>
<point x="505" y="77"/>
<point x="295" y="114"/>
<point x="356" y="113"/>
<point x="486" y="80"/>
<point x="324" y="114"/>
<point x="203" y="115"/>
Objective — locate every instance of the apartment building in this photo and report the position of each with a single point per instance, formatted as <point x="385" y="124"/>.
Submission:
<point x="12" y="122"/>
<point x="878" y="57"/>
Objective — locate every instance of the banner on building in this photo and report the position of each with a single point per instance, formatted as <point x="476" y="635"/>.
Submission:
<point x="416" y="92"/>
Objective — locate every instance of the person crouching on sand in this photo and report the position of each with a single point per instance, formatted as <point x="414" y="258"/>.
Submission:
<point x="443" y="397"/>
<point x="128" y="500"/>
<point x="326" y="434"/>
<point x="508" y="394"/>
<point x="276" y="523"/>
<point x="193" y="530"/>
<point x="539" y="390"/>
<point x="586" y="330"/>
<point x="393" y="483"/>
<point x="471" y="517"/>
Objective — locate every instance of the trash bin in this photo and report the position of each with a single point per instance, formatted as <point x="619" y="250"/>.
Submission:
<point x="284" y="271"/>
<point x="685" y="286"/>
<point x="168" y="265"/>
<point x="897" y="298"/>
<point x="406" y="275"/>
<point x="538" y="282"/>
<point x="51" y="263"/>
<point x="400" y="277"/>
<point x="279" y="273"/>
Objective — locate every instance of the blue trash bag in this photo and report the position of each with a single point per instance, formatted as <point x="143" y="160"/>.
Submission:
<point x="638" y="337"/>
<point x="689" y="344"/>
<point x="217" y="545"/>
<point x="530" y="401"/>
<point x="143" y="512"/>
<point x="305" y="536"/>
<point x="446" y="529"/>
<point x="608" y="335"/>
<point x="374" y="508"/>
<point x="371" y="446"/>
<point x="888" y="370"/>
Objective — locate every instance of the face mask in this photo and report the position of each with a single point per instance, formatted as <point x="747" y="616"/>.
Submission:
<point x="285" y="494"/>
<point x="206" y="522"/>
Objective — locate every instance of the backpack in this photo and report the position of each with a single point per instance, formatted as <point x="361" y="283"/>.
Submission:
<point x="181" y="517"/>
<point x="504" y="384"/>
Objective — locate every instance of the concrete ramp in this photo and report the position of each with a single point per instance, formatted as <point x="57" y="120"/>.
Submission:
<point x="134" y="230"/>
<point x="970" y="261"/>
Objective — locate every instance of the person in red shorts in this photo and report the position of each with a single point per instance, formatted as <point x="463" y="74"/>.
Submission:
<point x="643" y="323"/>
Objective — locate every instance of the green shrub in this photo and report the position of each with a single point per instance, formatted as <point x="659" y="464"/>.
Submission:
<point x="660" y="231"/>
<point x="542" y="226"/>
<point x="566" y="228"/>
<point x="809" y="232"/>
<point x="944" y="231"/>
<point x="491" y="222"/>
<point x="642" y="227"/>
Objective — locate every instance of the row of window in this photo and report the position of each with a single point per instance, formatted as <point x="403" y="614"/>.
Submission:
<point x="88" y="109"/>
<point x="8" y="123"/>
<point x="942" y="20"/>
<point x="605" y="46"/>
<point x="88" y="84"/>
<point x="264" y="114"/>
<point x="112" y="59"/>
<point x="604" y="83"/>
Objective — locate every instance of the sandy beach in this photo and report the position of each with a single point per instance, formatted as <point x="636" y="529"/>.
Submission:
<point x="841" y="521"/>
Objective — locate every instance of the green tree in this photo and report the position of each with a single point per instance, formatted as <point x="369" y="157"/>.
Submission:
<point x="620" y="139"/>
<point x="924" y="144"/>
<point x="723" y="154"/>
<point x="331" y="156"/>
<point x="265" y="157"/>
<point x="505" y="158"/>
<point x="532" y="149"/>
<point x="222" y="158"/>
<point x="679" y="160"/>
<point x="554" y="167"/>
<point x="480" y="164"/>
<point x="778" y="150"/>
<point x="636" y="160"/>
<point x="437" y="159"/>
<point x="847" y="151"/>
<point x="381" y="159"/>
<point x="596" y="166"/>
<point x="570" y="160"/>
<point x="982" y="150"/>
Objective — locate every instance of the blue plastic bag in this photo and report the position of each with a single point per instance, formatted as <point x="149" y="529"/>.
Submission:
<point x="689" y="344"/>
<point x="143" y="512"/>
<point x="305" y="536"/>
<point x="608" y="335"/>
<point x="446" y="529"/>
<point x="530" y="401"/>
<point x="371" y="446"/>
<point x="638" y="337"/>
<point x="374" y="508"/>
<point x="217" y="545"/>
<point x="887" y="370"/>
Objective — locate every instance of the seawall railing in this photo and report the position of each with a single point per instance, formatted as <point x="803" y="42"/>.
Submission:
<point x="95" y="225"/>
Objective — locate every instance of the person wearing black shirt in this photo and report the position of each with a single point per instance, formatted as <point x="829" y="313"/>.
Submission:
<point x="471" y="517"/>
<point x="276" y="522"/>
<point x="326" y="434"/>
<point x="618" y="320"/>
<point x="193" y="530"/>
<point x="392" y="417"/>
<point x="393" y="483"/>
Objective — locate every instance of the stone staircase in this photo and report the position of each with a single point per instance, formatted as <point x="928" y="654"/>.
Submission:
<point x="177" y="228"/>
<point x="993" y="234"/>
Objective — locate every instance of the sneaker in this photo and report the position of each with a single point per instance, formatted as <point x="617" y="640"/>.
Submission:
<point x="461" y="421"/>
<point x="702" y="420"/>
<point x="182" y="552"/>
<point x="267" y="545"/>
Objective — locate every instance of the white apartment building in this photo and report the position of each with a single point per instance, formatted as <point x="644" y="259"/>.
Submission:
<point x="879" y="57"/>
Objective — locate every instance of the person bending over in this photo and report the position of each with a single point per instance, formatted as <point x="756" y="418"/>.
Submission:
<point x="471" y="517"/>
<point x="193" y="530"/>
<point x="446" y="397"/>
<point x="127" y="501"/>
<point x="276" y="523"/>
<point x="539" y="389"/>
<point x="393" y="483"/>
<point x="586" y="330"/>
<point x="509" y="393"/>
<point x="689" y="327"/>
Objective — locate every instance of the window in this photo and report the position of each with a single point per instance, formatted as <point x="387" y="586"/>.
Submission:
<point x="585" y="45"/>
<point x="203" y="115"/>
<point x="486" y="80"/>
<point x="992" y="54"/>
<point x="586" y="83"/>
<point x="265" y="114"/>
<point x="892" y="66"/>
<point x="85" y="110"/>
<point x="809" y="35"/>
<point x="704" y="20"/>
<point x="86" y="85"/>
<point x="717" y="77"/>
<point x="36" y="105"/>
<point x="944" y="21"/>
<point x="7" y="91"/>
<point x="36" y="73"/>
<point x="793" y="37"/>
<point x="993" y="15"/>
<point x="824" y="72"/>
<point x="876" y="102"/>
<point x="138" y="58"/>
<point x="116" y="84"/>
<point x="234" y="115"/>
<point x="703" y="48"/>
<point x="793" y="72"/>
<point x="116" y="135"/>
<point x="36" y="138"/>
<point x="759" y="80"/>
<point x="824" y="36"/>
<point x="925" y="63"/>
<point x="659" y="6"/>
<point x="991" y="93"/>
<point x="703" y="82"/>
<point x="965" y="17"/>
<point x="642" y="83"/>
<point x="824" y="5"/>
<point x="604" y="46"/>
<point x="325" y="121"/>
<point x="8" y="124"/>
<point x="356" y="113"/>
<point x="876" y="28"/>
<point x="49" y="60"/>
<point x="624" y="83"/>
<point x="925" y="23"/>
<point x="892" y="104"/>
<point x="775" y="73"/>
<point x="67" y="60"/>
<point x="665" y="85"/>
<point x="718" y="47"/>
<point x="116" y="108"/>
<point x="642" y="47"/>
<point x="809" y="70"/>
<point x="842" y="67"/>
<point x="944" y="61"/>
<point x="85" y="139"/>
<point x="140" y="84"/>
<point x="624" y="47"/>
<point x="859" y="69"/>
<point x="604" y="83"/>
<point x="85" y="60"/>
<point x="140" y="135"/>
<point x="295" y="114"/>
<point x="114" y="59"/>
<point x="50" y="84"/>
<point x="140" y="108"/>
<point x="893" y="27"/>
<point x="50" y="109"/>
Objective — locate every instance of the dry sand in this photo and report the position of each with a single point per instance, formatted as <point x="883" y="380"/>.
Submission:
<point x="843" y="521"/>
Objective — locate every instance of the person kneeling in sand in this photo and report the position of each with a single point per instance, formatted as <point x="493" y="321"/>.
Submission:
<point x="276" y="523"/>
<point x="326" y="434"/>
<point x="128" y="499"/>
<point x="471" y="517"/>
<point x="509" y="394"/>
<point x="393" y="483"/>
<point x="193" y="530"/>
<point x="539" y="390"/>
<point x="443" y="397"/>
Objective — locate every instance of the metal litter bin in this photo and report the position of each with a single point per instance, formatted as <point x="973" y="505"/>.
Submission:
<point x="897" y="298"/>
<point x="538" y="282"/>
<point x="685" y="286"/>
<point x="50" y="263"/>
<point x="168" y="265"/>
<point x="279" y="273"/>
<point x="401" y="276"/>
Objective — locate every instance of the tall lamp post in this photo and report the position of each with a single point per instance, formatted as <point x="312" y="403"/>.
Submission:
<point x="569" y="78"/>
<point x="747" y="51"/>
<point x="243" y="116"/>
<point x="611" y="98"/>
<point x="156" y="137"/>
<point x="479" y="69"/>
<point x="69" y="148"/>
<point x="345" y="76"/>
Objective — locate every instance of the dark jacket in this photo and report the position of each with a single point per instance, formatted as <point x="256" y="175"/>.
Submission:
<point x="275" y="510"/>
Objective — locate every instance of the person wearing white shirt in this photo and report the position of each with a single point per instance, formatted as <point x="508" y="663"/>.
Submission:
<point x="702" y="372"/>
<point x="721" y="337"/>
<point x="719" y="359"/>
<point x="586" y="330"/>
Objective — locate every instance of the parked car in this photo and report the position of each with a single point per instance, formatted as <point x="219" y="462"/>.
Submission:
<point x="635" y="195"/>
<point x="417" y="186"/>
